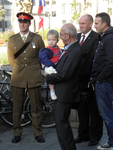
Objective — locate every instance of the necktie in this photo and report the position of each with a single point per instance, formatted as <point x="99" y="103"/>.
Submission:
<point x="82" y="40"/>
<point x="24" y="38"/>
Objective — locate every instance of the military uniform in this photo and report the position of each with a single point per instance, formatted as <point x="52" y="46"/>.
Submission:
<point x="26" y="74"/>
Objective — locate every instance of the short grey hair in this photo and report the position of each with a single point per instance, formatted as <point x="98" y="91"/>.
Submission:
<point x="72" y="30"/>
<point x="53" y="32"/>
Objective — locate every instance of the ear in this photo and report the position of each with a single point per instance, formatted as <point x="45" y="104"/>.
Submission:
<point x="68" y="35"/>
<point x="91" y="23"/>
<point x="104" y="24"/>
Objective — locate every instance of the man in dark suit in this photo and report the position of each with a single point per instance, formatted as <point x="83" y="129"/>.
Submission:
<point x="26" y="74"/>
<point x="66" y="82"/>
<point x="90" y="122"/>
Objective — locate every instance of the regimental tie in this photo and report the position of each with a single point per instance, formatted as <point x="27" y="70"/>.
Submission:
<point x="24" y="38"/>
<point x="82" y="40"/>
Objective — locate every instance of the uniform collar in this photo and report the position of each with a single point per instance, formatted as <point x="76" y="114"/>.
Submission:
<point x="26" y="35"/>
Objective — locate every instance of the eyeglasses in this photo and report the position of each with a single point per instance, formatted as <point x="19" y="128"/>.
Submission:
<point x="24" y="21"/>
<point x="62" y="34"/>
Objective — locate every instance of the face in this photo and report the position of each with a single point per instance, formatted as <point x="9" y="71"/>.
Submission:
<point x="85" y="25"/>
<point x="52" y="40"/>
<point x="63" y="36"/>
<point x="24" y="26"/>
<point x="98" y="25"/>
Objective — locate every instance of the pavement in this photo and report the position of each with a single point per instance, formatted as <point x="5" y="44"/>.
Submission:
<point x="51" y="142"/>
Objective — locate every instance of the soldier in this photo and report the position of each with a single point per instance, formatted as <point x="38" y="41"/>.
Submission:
<point x="23" y="50"/>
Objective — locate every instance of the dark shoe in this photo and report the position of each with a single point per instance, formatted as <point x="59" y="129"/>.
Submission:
<point x="79" y="140"/>
<point x="93" y="142"/>
<point x="40" y="139"/>
<point x="16" y="139"/>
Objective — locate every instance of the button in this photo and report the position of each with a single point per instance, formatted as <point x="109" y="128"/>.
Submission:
<point x="25" y="64"/>
<point x="24" y="51"/>
<point x="24" y="58"/>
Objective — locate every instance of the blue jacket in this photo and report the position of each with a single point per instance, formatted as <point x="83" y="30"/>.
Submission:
<point x="45" y="54"/>
<point x="102" y="69"/>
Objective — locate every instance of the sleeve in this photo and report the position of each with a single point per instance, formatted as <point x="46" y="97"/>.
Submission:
<point x="10" y="52"/>
<point x="44" y="57"/>
<point x="71" y="66"/>
<point x="107" y="70"/>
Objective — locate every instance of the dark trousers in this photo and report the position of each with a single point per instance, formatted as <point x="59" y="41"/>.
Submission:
<point x="35" y="97"/>
<point x="90" y="122"/>
<point x="104" y="97"/>
<point x="63" y="128"/>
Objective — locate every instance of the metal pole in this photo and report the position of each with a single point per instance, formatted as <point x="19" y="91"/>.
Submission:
<point x="49" y="21"/>
<point x="3" y="22"/>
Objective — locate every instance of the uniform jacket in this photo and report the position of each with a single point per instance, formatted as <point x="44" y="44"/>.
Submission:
<point x="26" y="67"/>
<point x="103" y="61"/>
<point x="67" y="78"/>
<point x="88" y="48"/>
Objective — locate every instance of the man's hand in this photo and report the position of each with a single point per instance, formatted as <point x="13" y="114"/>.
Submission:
<point x="93" y="87"/>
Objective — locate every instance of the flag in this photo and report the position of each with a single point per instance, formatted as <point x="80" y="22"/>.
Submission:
<point x="41" y="4"/>
<point x="40" y="8"/>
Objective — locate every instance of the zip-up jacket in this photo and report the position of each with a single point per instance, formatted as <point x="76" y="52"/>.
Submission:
<point x="102" y="69"/>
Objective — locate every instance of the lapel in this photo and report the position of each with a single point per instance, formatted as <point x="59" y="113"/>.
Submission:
<point x="68" y="50"/>
<point x="19" y="38"/>
<point x="29" y="36"/>
<point x="88" y="39"/>
<point x="79" y="36"/>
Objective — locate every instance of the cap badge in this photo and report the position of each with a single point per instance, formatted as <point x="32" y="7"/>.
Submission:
<point x="22" y="16"/>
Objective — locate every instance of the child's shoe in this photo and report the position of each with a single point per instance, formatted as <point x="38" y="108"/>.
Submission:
<point x="53" y="95"/>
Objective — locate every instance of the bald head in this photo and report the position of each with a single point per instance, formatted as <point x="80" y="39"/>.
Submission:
<point x="68" y="33"/>
<point x="70" y="28"/>
<point x="88" y="17"/>
<point x="85" y="23"/>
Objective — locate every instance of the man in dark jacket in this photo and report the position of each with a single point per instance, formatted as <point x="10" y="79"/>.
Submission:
<point x="102" y="74"/>
<point x="90" y="122"/>
<point x="66" y="82"/>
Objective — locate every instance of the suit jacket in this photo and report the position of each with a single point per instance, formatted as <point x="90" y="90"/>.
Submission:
<point x="67" y="78"/>
<point x="88" y="50"/>
<point x="26" y="67"/>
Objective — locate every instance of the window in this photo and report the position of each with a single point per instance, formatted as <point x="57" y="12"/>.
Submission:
<point x="63" y="8"/>
<point x="53" y="2"/>
<point x="63" y="22"/>
<point x="79" y="8"/>
<point x="6" y="2"/>
<point x="53" y="13"/>
<point x="88" y="4"/>
<point x="46" y="13"/>
<point x="70" y="9"/>
<point x="8" y="12"/>
<point x="7" y="24"/>
<point x="47" y="2"/>
<point x="110" y="11"/>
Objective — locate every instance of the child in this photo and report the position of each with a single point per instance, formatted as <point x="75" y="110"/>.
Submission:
<point x="49" y="57"/>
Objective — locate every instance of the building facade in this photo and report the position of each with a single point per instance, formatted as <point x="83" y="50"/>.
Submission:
<point x="56" y="12"/>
